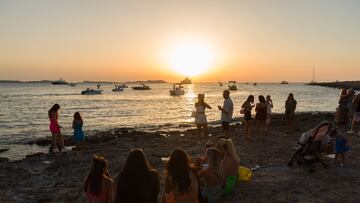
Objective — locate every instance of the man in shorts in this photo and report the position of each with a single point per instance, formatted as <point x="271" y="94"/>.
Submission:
<point x="226" y="112"/>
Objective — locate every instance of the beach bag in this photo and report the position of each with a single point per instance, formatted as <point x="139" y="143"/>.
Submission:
<point x="245" y="174"/>
<point x="242" y="111"/>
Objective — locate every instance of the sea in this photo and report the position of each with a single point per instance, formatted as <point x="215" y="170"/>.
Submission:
<point x="24" y="108"/>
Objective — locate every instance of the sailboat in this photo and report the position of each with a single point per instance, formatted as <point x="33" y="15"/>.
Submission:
<point x="312" y="82"/>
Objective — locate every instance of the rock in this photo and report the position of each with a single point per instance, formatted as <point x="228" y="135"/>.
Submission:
<point x="34" y="155"/>
<point x="3" y="159"/>
<point x="4" y="150"/>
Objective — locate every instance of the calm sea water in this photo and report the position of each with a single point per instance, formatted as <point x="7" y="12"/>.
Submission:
<point x="24" y="107"/>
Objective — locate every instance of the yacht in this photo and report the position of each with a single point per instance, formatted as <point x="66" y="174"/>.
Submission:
<point x="118" y="88"/>
<point x="123" y="85"/>
<point x="177" y="90"/>
<point x="59" y="82"/>
<point x="232" y="85"/>
<point x="141" y="87"/>
<point x="186" y="81"/>
<point x="284" y="82"/>
<point x="89" y="91"/>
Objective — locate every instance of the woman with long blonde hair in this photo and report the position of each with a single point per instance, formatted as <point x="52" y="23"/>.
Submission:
<point x="230" y="163"/>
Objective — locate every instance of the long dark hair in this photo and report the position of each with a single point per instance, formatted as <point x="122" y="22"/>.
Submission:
<point x="262" y="99"/>
<point x="178" y="167"/>
<point x="77" y="117"/>
<point x="250" y="97"/>
<point x="54" y="108"/>
<point x="93" y="181"/>
<point x="290" y="97"/>
<point x="133" y="183"/>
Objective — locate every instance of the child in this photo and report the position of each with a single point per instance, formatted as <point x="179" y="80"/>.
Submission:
<point x="79" y="136"/>
<point x="341" y="146"/>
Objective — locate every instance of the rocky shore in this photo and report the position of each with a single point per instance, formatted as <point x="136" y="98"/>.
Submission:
<point x="59" y="177"/>
<point x="340" y="84"/>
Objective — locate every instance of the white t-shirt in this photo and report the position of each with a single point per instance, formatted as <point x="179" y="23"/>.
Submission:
<point x="229" y="108"/>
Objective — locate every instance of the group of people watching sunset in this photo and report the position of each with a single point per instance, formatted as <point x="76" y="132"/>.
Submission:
<point x="348" y="111"/>
<point x="262" y="120"/>
<point x="188" y="180"/>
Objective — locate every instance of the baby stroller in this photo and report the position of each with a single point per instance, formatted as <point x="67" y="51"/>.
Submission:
<point x="312" y="144"/>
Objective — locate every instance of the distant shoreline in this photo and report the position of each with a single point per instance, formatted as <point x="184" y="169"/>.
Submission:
<point x="86" y="81"/>
<point x="339" y="84"/>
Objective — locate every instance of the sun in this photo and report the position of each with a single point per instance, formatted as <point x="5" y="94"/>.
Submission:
<point x="191" y="58"/>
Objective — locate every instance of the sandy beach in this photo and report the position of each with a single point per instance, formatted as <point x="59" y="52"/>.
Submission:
<point x="59" y="177"/>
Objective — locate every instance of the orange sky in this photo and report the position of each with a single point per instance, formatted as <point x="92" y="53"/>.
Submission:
<point x="258" y="41"/>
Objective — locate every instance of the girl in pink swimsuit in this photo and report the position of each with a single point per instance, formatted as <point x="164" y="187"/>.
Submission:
<point x="57" y="139"/>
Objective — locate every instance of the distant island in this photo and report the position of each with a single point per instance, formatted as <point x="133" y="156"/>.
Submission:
<point x="86" y="81"/>
<point x="18" y="81"/>
<point x="339" y="84"/>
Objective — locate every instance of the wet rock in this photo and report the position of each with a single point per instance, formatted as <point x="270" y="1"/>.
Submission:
<point x="34" y="155"/>
<point x="4" y="150"/>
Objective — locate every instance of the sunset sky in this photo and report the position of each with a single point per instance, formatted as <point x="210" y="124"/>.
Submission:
<point x="263" y="41"/>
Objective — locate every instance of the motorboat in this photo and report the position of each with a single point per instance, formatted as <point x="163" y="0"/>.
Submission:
<point x="72" y="84"/>
<point x="141" y="87"/>
<point x="89" y="91"/>
<point x="123" y="85"/>
<point x="59" y="82"/>
<point x="220" y="84"/>
<point x="232" y="85"/>
<point x="118" y="88"/>
<point x="177" y="90"/>
<point x="186" y="81"/>
<point x="284" y="82"/>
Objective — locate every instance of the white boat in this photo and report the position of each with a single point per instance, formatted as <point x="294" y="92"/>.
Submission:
<point x="89" y="91"/>
<point x="232" y="85"/>
<point x="186" y="81"/>
<point x="118" y="88"/>
<point x="59" y="82"/>
<point x="177" y="90"/>
<point x="141" y="87"/>
<point x="123" y="85"/>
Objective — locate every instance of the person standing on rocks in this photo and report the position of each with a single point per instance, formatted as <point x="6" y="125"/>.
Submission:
<point x="260" y="117"/>
<point x="356" y="116"/>
<point x="290" y="107"/>
<point x="200" y="117"/>
<point x="246" y="110"/>
<point x="77" y="125"/>
<point x="269" y="106"/>
<point x="57" y="138"/>
<point x="226" y="112"/>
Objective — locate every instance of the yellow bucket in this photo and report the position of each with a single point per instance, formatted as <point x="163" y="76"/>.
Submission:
<point x="244" y="174"/>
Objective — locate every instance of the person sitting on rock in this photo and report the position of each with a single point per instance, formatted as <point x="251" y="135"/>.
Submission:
<point x="181" y="181"/>
<point x="230" y="163"/>
<point x="98" y="184"/>
<point x="137" y="182"/>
